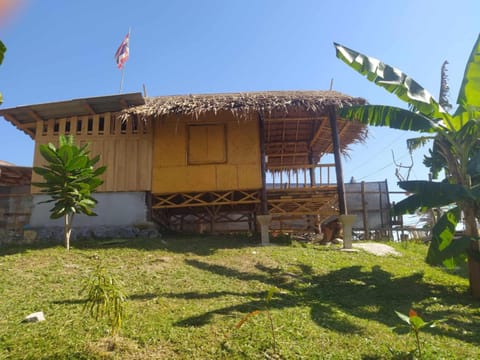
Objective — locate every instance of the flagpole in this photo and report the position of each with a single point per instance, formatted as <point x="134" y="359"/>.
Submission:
<point x="121" y="79"/>
<point x="123" y="67"/>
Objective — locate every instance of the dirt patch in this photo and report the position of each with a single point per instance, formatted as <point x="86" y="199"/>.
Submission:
<point x="123" y="348"/>
<point x="156" y="264"/>
<point x="377" y="249"/>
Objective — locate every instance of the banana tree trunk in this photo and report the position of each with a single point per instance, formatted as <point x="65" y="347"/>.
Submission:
<point x="471" y="230"/>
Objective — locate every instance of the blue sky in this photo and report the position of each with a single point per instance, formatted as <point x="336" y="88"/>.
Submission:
<point x="60" y="50"/>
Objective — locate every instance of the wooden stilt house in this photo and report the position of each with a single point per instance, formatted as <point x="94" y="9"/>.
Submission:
<point x="206" y="162"/>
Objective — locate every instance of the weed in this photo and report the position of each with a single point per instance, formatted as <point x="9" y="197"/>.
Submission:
<point x="268" y="299"/>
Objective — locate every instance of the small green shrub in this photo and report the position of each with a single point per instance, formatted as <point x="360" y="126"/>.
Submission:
<point x="415" y="323"/>
<point x="105" y="298"/>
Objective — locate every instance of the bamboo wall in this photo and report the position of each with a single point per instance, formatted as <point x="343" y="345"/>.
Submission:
<point x="213" y="153"/>
<point x="125" y="148"/>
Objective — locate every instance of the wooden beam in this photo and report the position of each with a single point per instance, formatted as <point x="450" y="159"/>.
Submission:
<point x="268" y="120"/>
<point x="315" y="136"/>
<point x="285" y="144"/>
<point x="27" y="126"/>
<point x="20" y="126"/>
<point x="35" y="115"/>
<point x="297" y="130"/>
<point x="342" y="204"/>
<point x="165" y="205"/>
<point x="288" y="154"/>
<point x="30" y="130"/>
<point x="89" y="108"/>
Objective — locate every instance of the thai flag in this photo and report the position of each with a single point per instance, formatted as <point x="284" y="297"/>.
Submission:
<point x="121" y="56"/>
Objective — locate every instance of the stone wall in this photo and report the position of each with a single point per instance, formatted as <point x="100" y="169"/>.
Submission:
<point x="15" y="208"/>
<point x="120" y="215"/>
<point x="54" y="234"/>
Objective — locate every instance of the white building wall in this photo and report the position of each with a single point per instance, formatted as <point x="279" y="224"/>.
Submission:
<point x="113" y="209"/>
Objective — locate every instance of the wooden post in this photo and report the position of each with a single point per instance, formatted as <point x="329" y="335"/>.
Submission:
<point x="263" y="166"/>
<point x="342" y="205"/>
<point x="264" y="220"/>
<point x="388" y="220"/>
<point x="380" y="205"/>
<point x="148" y="202"/>
<point x="312" y="168"/>
<point x="366" y="230"/>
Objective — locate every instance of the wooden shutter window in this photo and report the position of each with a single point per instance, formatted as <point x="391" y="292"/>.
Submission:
<point x="206" y="144"/>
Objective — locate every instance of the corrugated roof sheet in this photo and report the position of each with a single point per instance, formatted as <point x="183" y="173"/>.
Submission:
<point x="25" y="117"/>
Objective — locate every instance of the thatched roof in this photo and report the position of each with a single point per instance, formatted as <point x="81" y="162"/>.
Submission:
<point x="296" y="122"/>
<point x="244" y="104"/>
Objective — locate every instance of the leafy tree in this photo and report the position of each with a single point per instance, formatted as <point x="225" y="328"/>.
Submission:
<point x="456" y="150"/>
<point x="3" y="49"/>
<point x="69" y="179"/>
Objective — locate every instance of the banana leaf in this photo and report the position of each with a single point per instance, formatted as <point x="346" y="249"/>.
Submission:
<point x="428" y="194"/>
<point x="469" y="94"/>
<point x="393" y="117"/>
<point x="394" y="81"/>
<point x="444" y="248"/>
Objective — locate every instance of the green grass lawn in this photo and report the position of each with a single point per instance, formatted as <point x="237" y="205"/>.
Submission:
<point x="187" y="294"/>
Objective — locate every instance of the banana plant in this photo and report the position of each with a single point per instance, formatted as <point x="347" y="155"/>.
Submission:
<point x="456" y="150"/>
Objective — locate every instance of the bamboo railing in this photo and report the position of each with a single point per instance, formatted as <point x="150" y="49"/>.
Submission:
<point x="300" y="176"/>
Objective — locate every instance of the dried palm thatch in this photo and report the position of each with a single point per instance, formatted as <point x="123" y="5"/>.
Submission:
<point x="242" y="105"/>
<point x="296" y="122"/>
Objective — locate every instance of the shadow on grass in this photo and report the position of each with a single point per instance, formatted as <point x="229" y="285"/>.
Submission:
<point x="202" y="245"/>
<point x="69" y="302"/>
<point x="12" y="249"/>
<point x="337" y="299"/>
